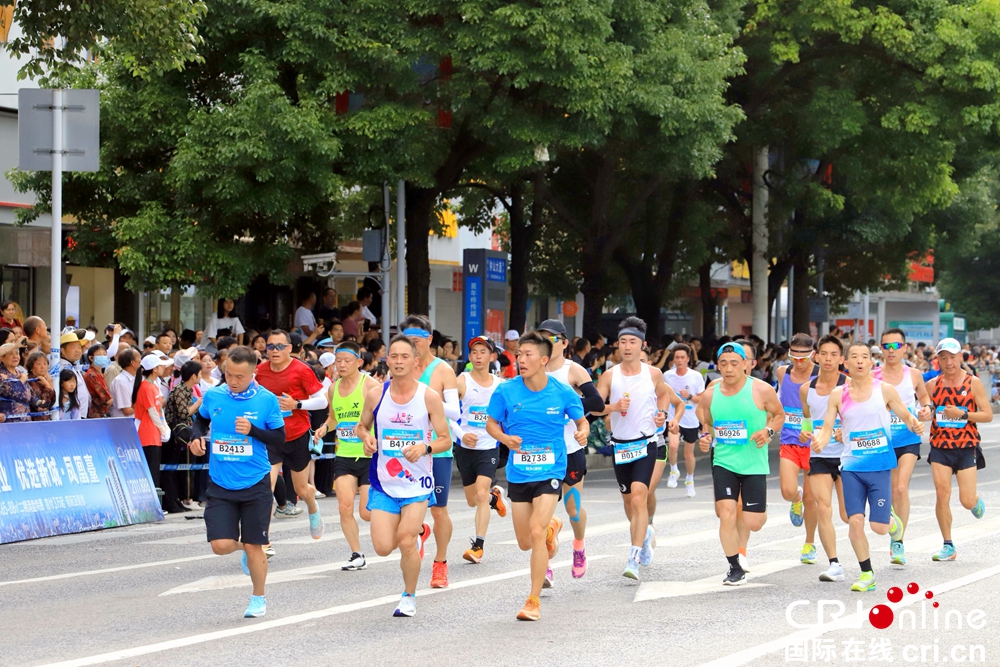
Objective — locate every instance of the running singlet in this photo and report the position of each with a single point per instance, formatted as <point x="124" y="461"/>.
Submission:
<point x="694" y="383"/>
<point x="569" y="427"/>
<point x="957" y="433"/>
<point x="425" y="378"/>
<point x="866" y="433"/>
<point x="474" y="406"/>
<point x="817" y="408"/>
<point x="397" y="427"/>
<point x="900" y="435"/>
<point x="791" y="401"/>
<point x="347" y="411"/>
<point x="735" y="419"/>
<point x="632" y="430"/>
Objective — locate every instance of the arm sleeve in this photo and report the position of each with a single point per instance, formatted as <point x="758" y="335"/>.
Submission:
<point x="113" y="346"/>
<point x="154" y="414"/>
<point x="274" y="437"/>
<point x="592" y="401"/>
<point x="317" y="401"/>
<point x="200" y="427"/>
<point x="457" y="430"/>
<point x="452" y="407"/>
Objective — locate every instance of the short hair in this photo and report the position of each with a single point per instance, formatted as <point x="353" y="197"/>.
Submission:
<point x="538" y="340"/>
<point x="683" y="347"/>
<point x="400" y="338"/>
<point x="189" y="370"/>
<point x="581" y="345"/>
<point x="801" y="340"/>
<point x="416" y="322"/>
<point x="860" y="343"/>
<point x="364" y="292"/>
<point x="349" y="346"/>
<point x="225" y="343"/>
<point x="893" y="330"/>
<point x="374" y="345"/>
<point x="350" y="309"/>
<point x="327" y="290"/>
<point x="93" y="349"/>
<point x="633" y="322"/>
<point x="241" y="354"/>
<point x="281" y="332"/>
<point x="162" y="334"/>
<point x="33" y="359"/>
<point x="830" y="338"/>
<point x="308" y="294"/>
<point x="127" y="357"/>
<point x="744" y="343"/>
<point x="31" y="325"/>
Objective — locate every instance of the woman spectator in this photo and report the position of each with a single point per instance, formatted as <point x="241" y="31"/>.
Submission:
<point x="100" y="395"/>
<point x="224" y="322"/>
<point x="350" y="317"/>
<point x="43" y="396"/>
<point x="69" y="401"/>
<point x="259" y="345"/>
<point x="205" y="380"/>
<point x="148" y="403"/>
<point x="15" y="397"/>
<point x="179" y="411"/>
<point x="10" y="316"/>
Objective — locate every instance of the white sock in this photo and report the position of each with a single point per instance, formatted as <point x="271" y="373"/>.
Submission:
<point x="689" y="478"/>
<point x="674" y="469"/>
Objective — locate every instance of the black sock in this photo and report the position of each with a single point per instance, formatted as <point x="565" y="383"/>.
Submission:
<point x="834" y="560"/>
<point x="866" y="565"/>
<point x="949" y="543"/>
<point x="356" y="553"/>
<point x="734" y="562"/>
<point x="478" y="543"/>
<point x="493" y="501"/>
<point x="445" y="561"/>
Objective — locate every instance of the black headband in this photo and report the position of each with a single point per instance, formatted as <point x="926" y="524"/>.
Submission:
<point x="632" y="331"/>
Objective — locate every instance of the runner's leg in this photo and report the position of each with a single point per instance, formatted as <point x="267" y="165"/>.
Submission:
<point x="942" y="486"/>
<point x="409" y="526"/>
<point x="346" y="487"/>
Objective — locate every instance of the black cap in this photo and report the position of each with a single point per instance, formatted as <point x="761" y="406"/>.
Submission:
<point x="553" y="326"/>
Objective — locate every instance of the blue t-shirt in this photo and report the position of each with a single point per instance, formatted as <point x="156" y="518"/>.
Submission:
<point x="239" y="461"/>
<point x="538" y="418"/>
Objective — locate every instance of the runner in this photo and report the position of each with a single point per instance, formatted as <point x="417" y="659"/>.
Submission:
<point x="246" y="424"/>
<point x="688" y="384"/>
<point x="740" y="414"/>
<point x="477" y="456"/>
<point x="639" y="399"/>
<point x="960" y="402"/>
<point x="578" y="379"/>
<point x="863" y="407"/>
<point x="298" y="391"/>
<point x="440" y="377"/>
<point x="658" y="466"/>
<point x="824" y="468"/>
<point x="405" y="413"/>
<point x="795" y="455"/>
<point x="909" y="383"/>
<point x="528" y="415"/>
<point x="351" y="466"/>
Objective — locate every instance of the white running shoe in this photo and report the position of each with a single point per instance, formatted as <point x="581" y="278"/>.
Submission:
<point x="744" y="562"/>
<point x="834" y="573"/>
<point x="689" y="485"/>
<point x="672" y="479"/>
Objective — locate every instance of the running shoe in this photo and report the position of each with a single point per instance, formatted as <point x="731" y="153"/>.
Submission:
<point x="439" y="575"/>
<point x="547" y="582"/>
<point x="269" y="551"/>
<point x="287" y="511"/>
<point x="795" y="511"/>
<point x="631" y="569"/>
<point x="355" y="562"/>
<point x="579" y="564"/>
<point x="735" y="577"/>
<point x="319" y="495"/>
<point x="833" y="573"/>
<point x="256" y="608"/>
<point x="422" y="539"/>
<point x="498" y="501"/>
<point x="689" y="485"/>
<point x="473" y="554"/>
<point x="552" y="537"/>
<point x="646" y="555"/>
<point x="980" y="509"/>
<point x="866" y="582"/>
<point x="316" y="525"/>
<point x="947" y="553"/>
<point x="808" y="555"/>
<point x="243" y="564"/>
<point x="672" y="479"/>
<point x="531" y="611"/>
<point x="898" y="553"/>
<point x="895" y="526"/>
<point x="407" y="606"/>
<point x="744" y="562"/>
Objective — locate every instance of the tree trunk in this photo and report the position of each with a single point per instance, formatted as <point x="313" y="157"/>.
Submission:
<point x="520" y="244"/>
<point x="708" y="304"/>
<point x="777" y="276"/>
<point x="800" y="297"/>
<point x="419" y="208"/>
<point x="594" y="273"/>
<point x="645" y="292"/>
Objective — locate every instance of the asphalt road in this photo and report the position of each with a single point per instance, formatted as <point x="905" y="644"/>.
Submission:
<point x="155" y="595"/>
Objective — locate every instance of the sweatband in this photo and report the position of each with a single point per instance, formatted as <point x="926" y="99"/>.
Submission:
<point x="348" y="351"/>
<point x="417" y="333"/>
<point x="632" y="331"/>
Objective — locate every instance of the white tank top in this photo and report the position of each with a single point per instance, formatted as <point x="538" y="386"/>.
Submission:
<point x="907" y="392"/>
<point x="866" y="432"/>
<point x="569" y="430"/>
<point x="817" y="408"/>
<point x="396" y="427"/>
<point x="477" y="399"/>
<point x="637" y="422"/>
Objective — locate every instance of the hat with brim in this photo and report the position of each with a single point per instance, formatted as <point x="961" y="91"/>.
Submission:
<point x="327" y="359"/>
<point x="151" y="361"/>
<point x="482" y="340"/>
<point x="948" y="345"/>
<point x="68" y="338"/>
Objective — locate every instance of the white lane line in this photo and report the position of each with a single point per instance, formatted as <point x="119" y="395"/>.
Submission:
<point x="964" y="533"/>
<point x="251" y="626"/>
<point x="71" y="575"/>
<point x="748" y="655"/>
<point x="655" y="590"/>
<point x="619" y="526"/>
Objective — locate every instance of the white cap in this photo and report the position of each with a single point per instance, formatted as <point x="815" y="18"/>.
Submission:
<point x="161" y="354"/>
<point x="327" y="359"/>
<point x="151" y="361"/>
<point x="150" y="339"/>
<point x="949" y="345"/>
<point x="89" y="336"/>
<point x="512" y="335"/>
<point x="876" y="350"/>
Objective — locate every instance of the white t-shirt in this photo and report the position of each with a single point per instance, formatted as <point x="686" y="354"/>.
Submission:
<point x="305" y="318"/>
<point x="694" y="383"/>
<point x="367" y="314"/>
<point x="215" y="323"/>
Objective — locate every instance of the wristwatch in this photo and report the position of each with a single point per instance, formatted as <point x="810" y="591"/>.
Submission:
<point x="298" y="405"/>
<point x="770" y="432"/>
<point x="430" y="450"/>
<point x="966" y="411"/>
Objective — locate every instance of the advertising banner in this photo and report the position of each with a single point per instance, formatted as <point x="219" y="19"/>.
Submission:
<point x="72" y="476"/>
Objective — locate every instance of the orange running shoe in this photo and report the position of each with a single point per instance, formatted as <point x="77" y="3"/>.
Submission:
<point x="552" y="536"/>
<point x="498" y="504"/>
<point x="422" y="539"/>
<point x="473" y="554"/>
<point x="531" y="611"/>
<point x="439" y="575"/>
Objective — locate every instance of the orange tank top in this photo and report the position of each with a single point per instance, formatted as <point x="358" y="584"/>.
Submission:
<point x="948" y="434"/>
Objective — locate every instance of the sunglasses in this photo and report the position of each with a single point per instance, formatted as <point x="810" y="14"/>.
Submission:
<point x="271" y="347"/>
<point x="801" y="356"/>
<point x="892" y="346"/>
<point x="554" y="339"/>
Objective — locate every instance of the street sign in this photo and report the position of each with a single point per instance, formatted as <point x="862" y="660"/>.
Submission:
<point x="819" y="309"/>
<point x="484" y="310"/>
<point x="81" y="129"/>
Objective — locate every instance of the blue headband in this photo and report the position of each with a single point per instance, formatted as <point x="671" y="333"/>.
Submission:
<point x="416" y="333"/>
<point x="732" y="347"/>
<point x="348" y="351"/>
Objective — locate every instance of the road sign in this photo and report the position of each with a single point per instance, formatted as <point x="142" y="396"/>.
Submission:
<point x="81" y="143"/>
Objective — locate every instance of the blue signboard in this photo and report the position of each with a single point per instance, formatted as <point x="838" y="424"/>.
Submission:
<point x="72" y="476"/>
<point x="475" y="309"/>
<point x="496" y="269"/>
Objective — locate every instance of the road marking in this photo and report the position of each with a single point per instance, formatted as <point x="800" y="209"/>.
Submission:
<point x="71" y="575"/>
<point x="619" y="526"/>
<point x="655" y="590"/>
<point x="964" y="533"/>
<point x="243" y="629"/>
<point x="748" y="655"/>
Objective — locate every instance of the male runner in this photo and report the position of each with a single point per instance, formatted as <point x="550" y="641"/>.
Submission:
<point x="863" y="406"/>
<point x="477" y="455"/>
<point x="742" y="415"/>
<point x="576" y="377"/>
<point x="689" y="385"/>
<point x="246" y="423"/>
<point x="298" y="391"/>
<point x="528" y="416"/>
<point x="909" y="383"/>
<point x="824" y="468"/>
<point x="351" y="467"/>
<point x="440" y="377"/>
<point x="639" y="399"/>
<point x="405" y="413"/>
<point x="658" y="466"/>
<point x="960" y="402"/>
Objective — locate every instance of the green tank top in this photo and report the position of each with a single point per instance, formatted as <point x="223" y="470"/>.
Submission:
<point x="735" y="419"/>
<point x="347" y="410"/>
<point x="425" y="378"/>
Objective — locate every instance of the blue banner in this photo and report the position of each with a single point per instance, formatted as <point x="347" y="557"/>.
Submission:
<point x="72" y="476"/>
<point x="496" y="269"/>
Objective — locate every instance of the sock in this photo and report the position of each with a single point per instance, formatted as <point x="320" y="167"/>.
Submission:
<point x="673" y="468"/>
<point x="949" y="543"/>
<point x="577" y="545"/>
<point x="866" y="565"/>
<point x="734" y="562"/>
<point x="408" y="595"/>
<point x="537" y="600"/>
<point x="445" y="561"/>
<point x="834" y="560"/>
<point x="635" y="553"/>
<point x="742" y="550"/>
<point x="650" y="519"/>
<point x="479" y="542"/>
<point x="689" y="478"/>
<point x="356" y="553"/>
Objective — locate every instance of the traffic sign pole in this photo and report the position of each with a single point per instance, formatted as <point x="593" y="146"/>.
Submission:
<point x="55" y="326"/>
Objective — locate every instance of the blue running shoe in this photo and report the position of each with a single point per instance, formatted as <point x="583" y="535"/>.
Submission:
<point x="256" y="608"/>
<point x="243" y="563"/>
<point x="980" y="509"/>
<point x="896" y="526"/>
<point x="808" y="554"/>
<point x="646" y="555"/>
<point x="795" y="511"/>
<point x="631" y="569"/>
<point x="898" y="553"/>
<point x="316" y="525"/>
<point x="947" y="553"/>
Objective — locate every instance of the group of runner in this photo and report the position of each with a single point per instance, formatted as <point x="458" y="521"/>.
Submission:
<point x="396" y="442"/>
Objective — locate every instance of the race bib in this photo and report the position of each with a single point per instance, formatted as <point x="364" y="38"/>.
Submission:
<point x="233" y="447"/>
<point x="395" y="440"/>
<point x="536" y="458"/>
<point x="868" y="443"/>
<point x="943" y="422"/>
<point x="731" y="433"/>
<point x="897" y="424"/>
<point x="345" y="432"/>
<point x="477" y="416"/>
<point x="627" y="452"/>
<point x="793" y="419"/>
<point x="818" y="424"/>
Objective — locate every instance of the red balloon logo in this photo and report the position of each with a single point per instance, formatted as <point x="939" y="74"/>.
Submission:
<point x="880" y="616"/>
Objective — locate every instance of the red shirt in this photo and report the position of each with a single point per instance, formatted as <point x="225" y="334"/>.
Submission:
<point x="148" y="397"/>
<point x="299" y="382"/>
